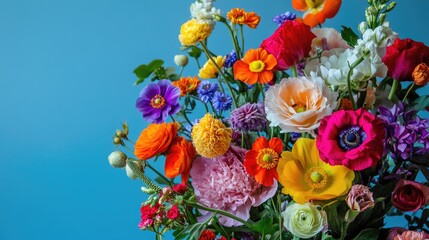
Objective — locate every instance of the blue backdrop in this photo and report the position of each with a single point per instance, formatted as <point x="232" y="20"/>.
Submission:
<point x="66" y="85"/>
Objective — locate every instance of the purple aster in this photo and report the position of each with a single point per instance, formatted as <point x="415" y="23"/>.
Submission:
<point x="158" y="100"/>
<point x="231" y="58"/>
<point x="221" y="101"/>
<point x="281" y="18"/>
<point x="249" y="117"/>
<point x="206" y="91"/>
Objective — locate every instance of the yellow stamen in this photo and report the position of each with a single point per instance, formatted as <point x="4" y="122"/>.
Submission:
<point x="314" y="3"/>
<point x="157" y="101"/>
<point x="256" y="66"/>
<point x="316" y="177"/>
<point x="267" y="158"/>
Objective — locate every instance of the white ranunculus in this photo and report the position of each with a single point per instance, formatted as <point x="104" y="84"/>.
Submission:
<point x="304" y="221"/>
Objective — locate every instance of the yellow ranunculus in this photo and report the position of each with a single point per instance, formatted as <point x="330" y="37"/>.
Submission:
<point x="209" y="70"/>
<point x="194" y="31"/>
<point x="306" y="177"/>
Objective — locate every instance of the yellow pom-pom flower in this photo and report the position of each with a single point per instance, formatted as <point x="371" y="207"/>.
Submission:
<point x="209" y="70"/>
<point x="211" y="137"/>
<point x="194" y="31"/>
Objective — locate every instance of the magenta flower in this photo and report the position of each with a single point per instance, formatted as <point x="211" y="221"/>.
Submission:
<point x="223" y="183"/>
<point x="354" y="139"/>
<point x="158" y="100"/>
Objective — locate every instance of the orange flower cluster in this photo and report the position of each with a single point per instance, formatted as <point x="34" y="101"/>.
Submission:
<point x="316" y="11"/>
<point x="239" y="16"/>
<point x="256" y="66"/>
<point x="187" y="84"/>
<point x="162" y="138"/>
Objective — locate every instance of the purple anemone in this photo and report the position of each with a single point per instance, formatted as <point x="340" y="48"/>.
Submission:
<point x="158" y="100"/>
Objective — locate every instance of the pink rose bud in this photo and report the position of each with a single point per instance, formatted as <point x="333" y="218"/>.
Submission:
<point x="408" y="235"/>
<point x="409" y="195"/>
<point x="359" y="198"/>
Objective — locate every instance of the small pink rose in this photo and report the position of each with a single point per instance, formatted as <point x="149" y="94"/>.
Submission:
<point x="359" y="198"/>
<point x="409" y="195"/>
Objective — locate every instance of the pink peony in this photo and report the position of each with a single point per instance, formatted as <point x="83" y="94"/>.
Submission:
<point x="409" y="195"/>
<point x="354" y="139"/>
<point x="360" y="198"/>
<point x="223" y="183"/>
<point x="412" y="235"/>
<point x="289" y="44"/>
<point x="403" y="56"/>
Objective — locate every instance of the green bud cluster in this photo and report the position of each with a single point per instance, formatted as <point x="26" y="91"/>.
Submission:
<point x="120" y="135"/>
<point x="375" y="14"/>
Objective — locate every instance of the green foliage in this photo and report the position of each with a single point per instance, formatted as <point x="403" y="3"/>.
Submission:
<point x="264" y="226"/>
<point x="195" y="52"/>
<point x="421" y="103"/>
<point x="349" y="36"/>
<point x="368" y="234"/>
<point x="144" y="71"/>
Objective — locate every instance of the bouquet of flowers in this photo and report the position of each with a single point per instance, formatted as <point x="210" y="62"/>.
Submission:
<point x="313" y="134"/>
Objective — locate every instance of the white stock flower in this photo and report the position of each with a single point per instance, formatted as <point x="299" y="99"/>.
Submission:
<point x="203" y="10"/>
<point x="326" y="39"/>
<point x="304" y="221"/>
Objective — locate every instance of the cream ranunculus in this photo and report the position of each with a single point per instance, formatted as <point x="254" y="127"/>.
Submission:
<point x="299" y="104"/>
<point x="304" y="221"/>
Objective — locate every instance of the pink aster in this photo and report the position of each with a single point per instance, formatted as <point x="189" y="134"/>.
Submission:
<point x="354" y="139"/>
<point x="223" y="183"/>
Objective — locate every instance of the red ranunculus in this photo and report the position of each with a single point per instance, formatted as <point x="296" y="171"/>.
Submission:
<point x="289" y="44"/>
<point x="409" y="195"/>
<point x="403" y="56"/>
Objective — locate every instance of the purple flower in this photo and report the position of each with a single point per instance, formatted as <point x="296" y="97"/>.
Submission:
<point x="206" y="91"/>
<point x="281" y="18"/>
<point x="249" y="117"/>
<point x="221" y="101"/>
<point x="231" y="58"/>
<point x="405" y="129"/>
<point x="223" y="183"/>
<point x="158" y="100"/>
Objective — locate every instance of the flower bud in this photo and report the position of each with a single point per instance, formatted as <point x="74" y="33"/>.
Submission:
<point x="134" y="169"/>
<point x="125" y="128"/>
<point x="359" y="198"/>
<point x="119" y="134"/>
<point x="117" y="159"/>
<point x="421" y="74"/>
<point x="117" y="141"/>
<point x="148" y="190"/>
<point x="363" y="26"/>
<point x="391" y="6"/>
<point x="181" y="60"/>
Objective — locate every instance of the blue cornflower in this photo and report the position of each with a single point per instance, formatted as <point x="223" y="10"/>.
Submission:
<point x="206" y="90"/>
<point x="231" y="58"/>
<point x="221" y="101"/>
<point x="281" y="18"/>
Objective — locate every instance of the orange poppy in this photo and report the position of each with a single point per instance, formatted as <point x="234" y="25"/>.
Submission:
<point x="187" y="84"/>
<point x="261" y="161"/>
<point x="239" y="16"/>
<point x="316" y="11"/>
<point x="256" y="66"/>
<point x="179" y="159"/>
<point x="155" y="139"/>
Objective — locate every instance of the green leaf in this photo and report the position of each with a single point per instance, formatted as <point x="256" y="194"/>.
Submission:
<point x="264" y="226"/>
<point x="195" y="52"/>
<point x="349" y="36"/>
<point x="144" y="71"/>
<point x="420" y="103"/>
<point x="195" y="231"/>
<point x="162" y="181"/>
<point x="368" y="234"/>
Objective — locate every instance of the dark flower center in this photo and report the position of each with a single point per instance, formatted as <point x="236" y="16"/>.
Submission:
<point x="351" y="138"/>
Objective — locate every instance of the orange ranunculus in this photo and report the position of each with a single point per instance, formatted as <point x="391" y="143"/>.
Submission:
<point x="261" y="161"/>
<point x="155" y="139"/>
<point x="316" y="11"/>
<point x="256" y="66"/>
<point x="179" y="159"/>
<point x="187" y="84"/>
<point x="239" y="16"/>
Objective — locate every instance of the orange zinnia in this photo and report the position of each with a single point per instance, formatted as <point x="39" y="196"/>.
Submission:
<point x="155" y="139"/>
<point x="256" y="66"/>
<point x="187" y="84"/>
<point x="261" y="161"/>
<point x="239" y="16"/>
<point x="317" y="11"/>
<point x="179" y="159"/>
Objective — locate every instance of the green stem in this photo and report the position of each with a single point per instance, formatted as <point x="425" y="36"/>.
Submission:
<point x="234" y="39"/>
<point x="344" y="230"/>
<point x="261" y="87"/>
<point x="158" y="173"/>
<point x="141" y="175"/>
<point x="181" y="71"/>
<point x="217" y="211"/>
<point x="242" y="37"/>
<point x="406" y="94"/>
<point x="221" y="73"/>
<point x="395" y="86"/>
<point x="279" y="201"/>
<point x="349" y="85"/>
<point x="185" y="116"/>
<point x="294" y="71"/>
